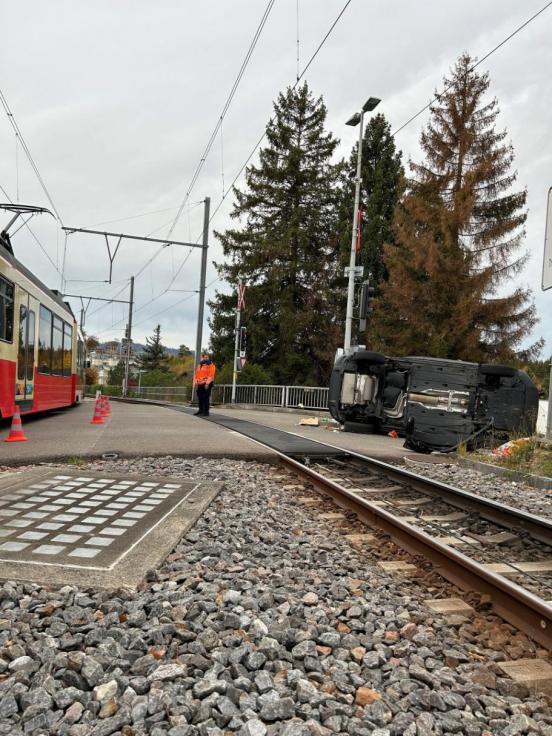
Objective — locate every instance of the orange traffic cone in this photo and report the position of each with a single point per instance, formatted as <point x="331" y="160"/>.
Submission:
<point x="106" y="409"/>
<point x="97" y="418"/>
<point x="16" y="431"/>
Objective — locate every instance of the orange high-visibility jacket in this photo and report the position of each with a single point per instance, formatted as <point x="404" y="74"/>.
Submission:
<point x="205" y="374"/>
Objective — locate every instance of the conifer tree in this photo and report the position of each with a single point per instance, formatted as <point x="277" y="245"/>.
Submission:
<point x="154" y="356"/>
<point x="285" y="248"/>
<point x="381" y="175"/>
<point x="458" y="235"/>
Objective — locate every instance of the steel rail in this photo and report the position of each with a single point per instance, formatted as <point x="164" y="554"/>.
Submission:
<point x="517" y="606"/>
<point x="513" y="603"/>
<point x="536" y="526"/>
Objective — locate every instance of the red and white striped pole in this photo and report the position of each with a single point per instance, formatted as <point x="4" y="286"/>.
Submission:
<point x="240" y="306"/>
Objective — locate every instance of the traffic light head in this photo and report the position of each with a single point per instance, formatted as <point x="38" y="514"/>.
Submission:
<point x="367" y="293"/>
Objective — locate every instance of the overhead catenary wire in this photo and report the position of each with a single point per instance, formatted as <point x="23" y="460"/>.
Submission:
<point x="299" y="78"/>
<point x="229" y="189"/>
<point x="297" y="33"/>
<point x="35" y="237"/>
<point x="261" y="139"/>
<point x="474" y="66"/>
<point x="203" y="158"/>
<point x="16" y="168"/>
<point x="225" y="108"/>
<point x="142" y="214"/>
<point x="25" y="148"/>
<point x="147" y="263"/>
<point x="410" y="120"/>
<point x="151" y="316"/>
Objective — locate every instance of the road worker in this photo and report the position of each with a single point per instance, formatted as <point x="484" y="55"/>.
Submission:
<point x="203" y="381"/>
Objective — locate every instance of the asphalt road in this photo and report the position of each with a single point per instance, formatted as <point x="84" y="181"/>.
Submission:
<point x="132" y="430"/>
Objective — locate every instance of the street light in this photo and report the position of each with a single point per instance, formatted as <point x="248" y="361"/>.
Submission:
<point x="370" y="104"/>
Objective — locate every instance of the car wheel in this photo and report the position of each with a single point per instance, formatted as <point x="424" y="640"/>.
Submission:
<point x="490" y="369"/>
<point x="369" y="356"/>
<point x="359" y="427"/>
<point x="395" y="379"/>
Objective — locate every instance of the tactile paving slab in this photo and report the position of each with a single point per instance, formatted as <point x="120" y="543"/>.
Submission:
<point x="89" y="527"/>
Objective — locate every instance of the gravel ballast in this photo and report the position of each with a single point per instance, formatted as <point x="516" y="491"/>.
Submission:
<point x="509" y="492"/>
<point x="263" y="620"/>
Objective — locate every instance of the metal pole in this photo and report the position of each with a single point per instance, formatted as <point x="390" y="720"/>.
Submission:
<point x="352" y="261"/>
<point x="201" y="305"/>
<point x="129" y="336"/>
<point x="549" y="417"/>
<point x="236" y="344"/>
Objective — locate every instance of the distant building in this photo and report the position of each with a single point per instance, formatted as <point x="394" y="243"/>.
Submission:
<point x="105" y="357"/>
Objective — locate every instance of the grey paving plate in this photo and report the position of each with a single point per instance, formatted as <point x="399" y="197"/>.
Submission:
<point x="69" y="522"/>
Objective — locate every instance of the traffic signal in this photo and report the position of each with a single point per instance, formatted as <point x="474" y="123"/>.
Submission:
<point x="367" y="293"/>
<point x="243" y="341"/>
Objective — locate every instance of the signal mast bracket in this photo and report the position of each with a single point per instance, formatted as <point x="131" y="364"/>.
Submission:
<point x="111" y="255"/>
<point x="125" y="236"/>
<point x="357" y="270"/>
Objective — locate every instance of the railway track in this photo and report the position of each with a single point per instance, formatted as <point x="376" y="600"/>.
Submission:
<point x="475" y="543"/>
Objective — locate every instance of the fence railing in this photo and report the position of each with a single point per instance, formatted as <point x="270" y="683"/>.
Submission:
<point x="296" y="397"/>
<point x="307" y="397"/>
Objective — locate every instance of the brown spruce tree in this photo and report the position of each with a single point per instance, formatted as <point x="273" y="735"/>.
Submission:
<point x="459" y="231"/>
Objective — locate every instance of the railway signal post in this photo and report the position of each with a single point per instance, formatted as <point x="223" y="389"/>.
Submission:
<point x="352" y="270"/>
<point x="240" y="306"/>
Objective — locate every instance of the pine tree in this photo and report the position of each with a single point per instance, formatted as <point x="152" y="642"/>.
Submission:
<point x="381" y="176"/>
<point x="116" y="374"/>
<point x="458" y="234"/>
<point x="154" y="356"/>
<point x="184" y="351"/>
<point x="286" y="249"/>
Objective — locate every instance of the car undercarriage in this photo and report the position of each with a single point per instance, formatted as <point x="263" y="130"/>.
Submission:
<point x="436" y="404"/>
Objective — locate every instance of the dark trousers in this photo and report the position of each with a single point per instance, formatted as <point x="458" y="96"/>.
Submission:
<point x="203" y="398"/>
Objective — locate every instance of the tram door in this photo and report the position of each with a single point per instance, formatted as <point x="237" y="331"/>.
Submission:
<point x="24" y="384"/>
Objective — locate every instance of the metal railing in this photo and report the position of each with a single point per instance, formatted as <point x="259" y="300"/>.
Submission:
<point x="296" y="397"/>
<point x="307" y="397"/>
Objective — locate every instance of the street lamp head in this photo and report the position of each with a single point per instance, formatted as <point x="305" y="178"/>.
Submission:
<point x="370" y="104"/>
<point x="354" y="120"/>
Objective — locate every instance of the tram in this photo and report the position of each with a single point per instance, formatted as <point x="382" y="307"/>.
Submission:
<point x="42" y="354"/>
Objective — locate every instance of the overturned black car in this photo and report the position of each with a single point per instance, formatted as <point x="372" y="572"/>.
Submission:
<point x="436" y="404"/>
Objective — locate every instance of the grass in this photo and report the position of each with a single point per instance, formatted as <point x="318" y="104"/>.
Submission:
<point x="528" y="457"/>
<point x="75" y="460"/>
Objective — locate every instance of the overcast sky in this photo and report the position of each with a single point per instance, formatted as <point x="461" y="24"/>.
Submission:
<point x="117" y="101"/>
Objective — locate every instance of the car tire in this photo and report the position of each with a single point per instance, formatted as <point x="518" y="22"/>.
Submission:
<point x="359" y="427"/>
<point x="395" y="379"/>
<point x="369" y="356"/>
<point x="490" y="369"/>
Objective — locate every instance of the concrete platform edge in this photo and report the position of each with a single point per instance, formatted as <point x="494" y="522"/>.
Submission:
<point x="263" y="456"/>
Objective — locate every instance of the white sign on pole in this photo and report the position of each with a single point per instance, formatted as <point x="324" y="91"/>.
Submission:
<point x="547" y="262"/>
